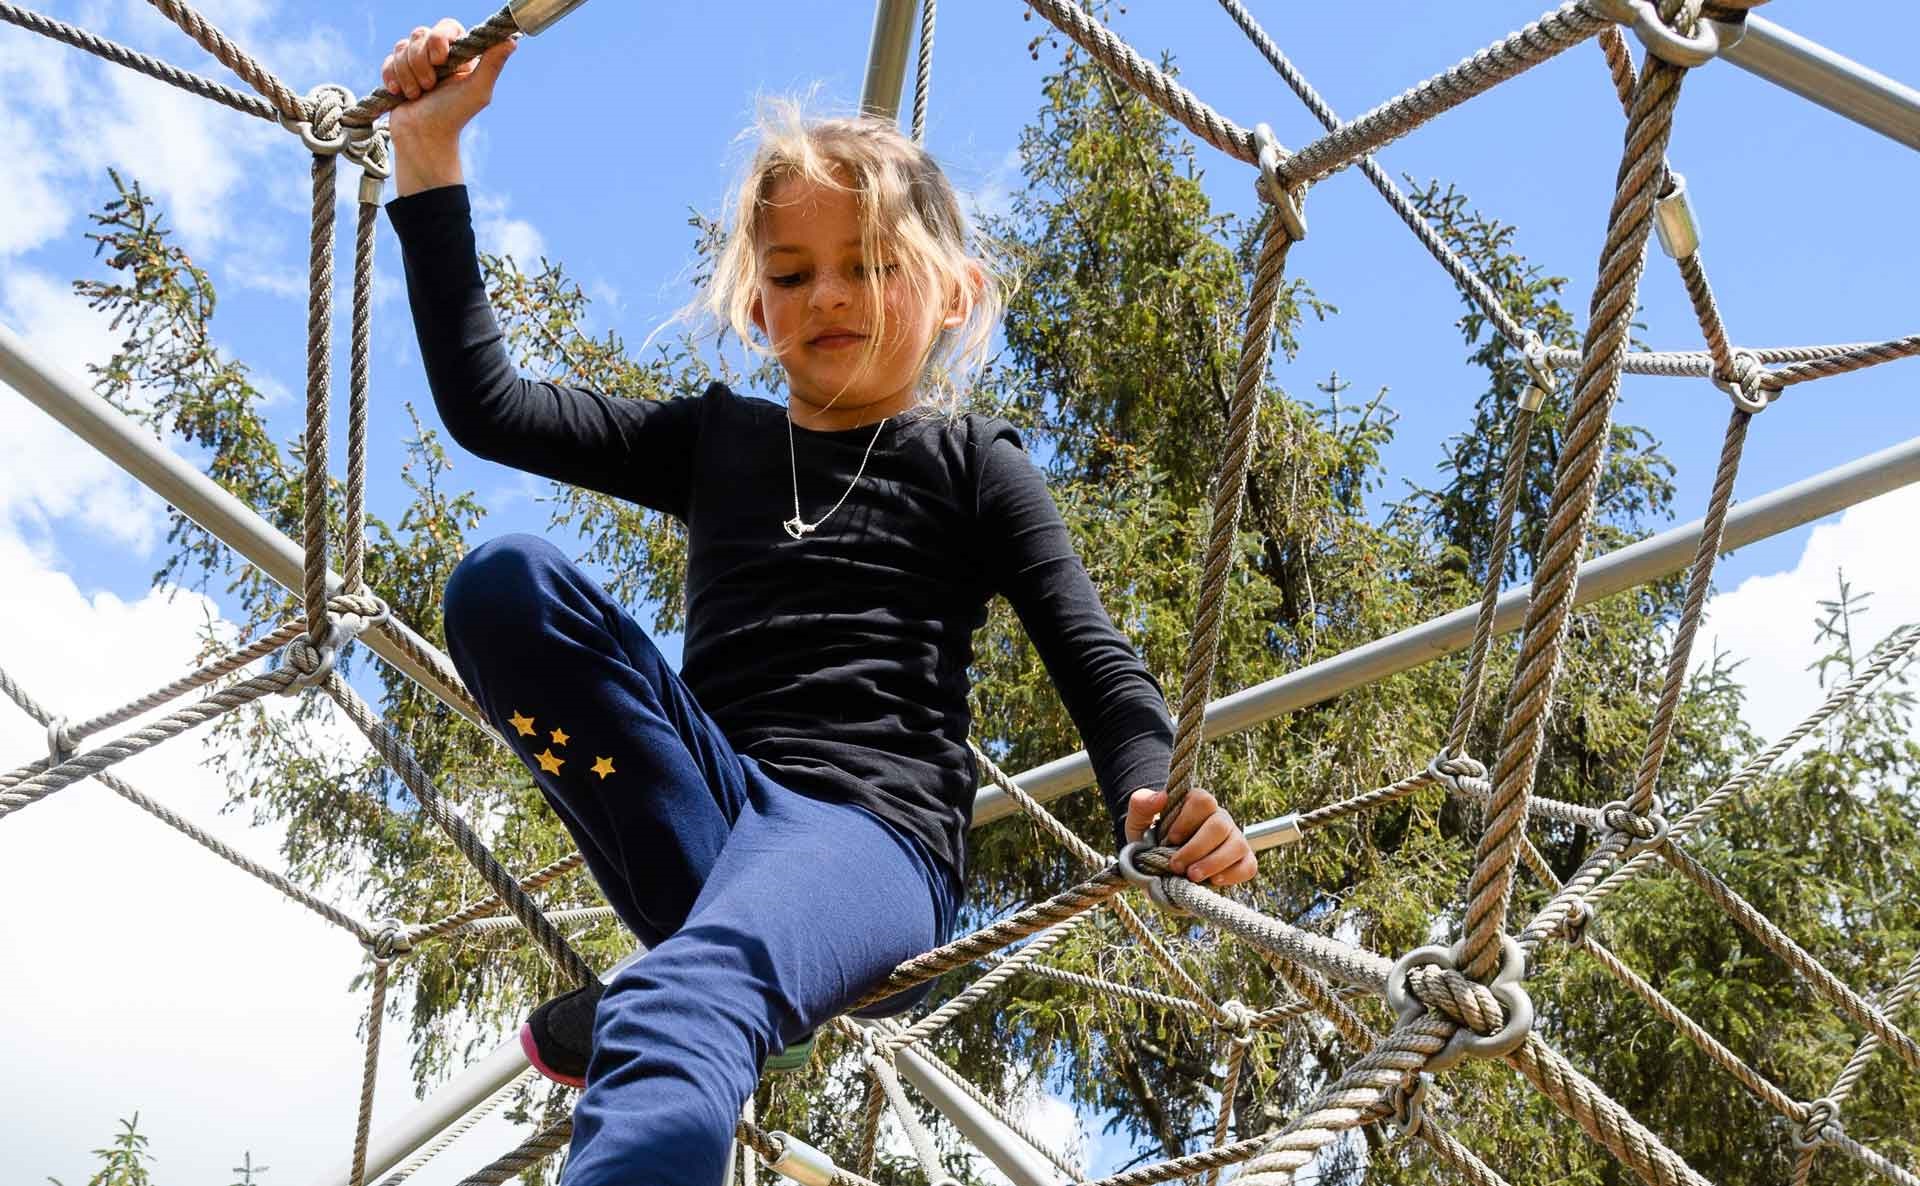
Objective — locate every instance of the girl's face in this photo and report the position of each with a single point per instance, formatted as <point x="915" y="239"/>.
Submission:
<point x="813" y="304"/>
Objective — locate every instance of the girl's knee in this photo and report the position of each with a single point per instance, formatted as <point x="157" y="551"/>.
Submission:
<point x="498" y="583"/>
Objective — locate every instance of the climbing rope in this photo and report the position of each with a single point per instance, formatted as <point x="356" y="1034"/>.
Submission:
<point x="1467" y="999"/>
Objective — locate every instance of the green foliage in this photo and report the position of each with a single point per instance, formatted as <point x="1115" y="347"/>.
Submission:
<point x="1122" y="343"/>
<point x="124" y="1162"/>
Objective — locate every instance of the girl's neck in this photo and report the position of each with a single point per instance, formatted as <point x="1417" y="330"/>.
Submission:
<point x="837" y="418"/>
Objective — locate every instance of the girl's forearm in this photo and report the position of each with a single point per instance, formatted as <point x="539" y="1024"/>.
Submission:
<point x="425" y="162"/>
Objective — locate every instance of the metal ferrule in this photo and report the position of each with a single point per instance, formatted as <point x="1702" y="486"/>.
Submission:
<point x="801" y="1162"/>
<point x="536" y="16"/>
<point x="1274" y="833"/>
<point x="1673" y="219"/>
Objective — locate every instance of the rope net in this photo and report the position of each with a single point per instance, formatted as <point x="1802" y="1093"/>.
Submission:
<point x="1447" y="1002"/>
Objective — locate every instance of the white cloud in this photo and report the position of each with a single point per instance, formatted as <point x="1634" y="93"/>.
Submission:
<point x="1768" y="621"/>
<point x="497" y="232"/>
<point x="46" y="473"/>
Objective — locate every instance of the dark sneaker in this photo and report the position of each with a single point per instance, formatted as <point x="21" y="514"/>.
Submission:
<point x="794" y="1057"/>
<point x="558" y="1035"/>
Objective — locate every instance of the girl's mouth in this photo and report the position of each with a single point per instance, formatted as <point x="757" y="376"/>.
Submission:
<point x="837" y="341"/>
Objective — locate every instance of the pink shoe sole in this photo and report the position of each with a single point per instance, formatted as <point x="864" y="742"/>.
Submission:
<point x="532" y="1051"/>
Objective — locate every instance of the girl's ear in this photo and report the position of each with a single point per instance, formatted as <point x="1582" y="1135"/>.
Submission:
<point x="962" y="303"/>
<point x="758" y="315"/>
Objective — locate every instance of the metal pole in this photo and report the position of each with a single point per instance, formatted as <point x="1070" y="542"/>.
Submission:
<point x="1834" y="81"/>
<point x="1763" y="517"/>
<point x="887" y="58"/>
<point x="195" y="495"/>
<point x="1001" y="1145"/>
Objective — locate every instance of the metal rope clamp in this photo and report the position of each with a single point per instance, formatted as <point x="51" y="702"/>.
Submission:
<point x="1409" y="1104"/>
<point x="61" y="744"/>
<point x="1285" y="202"/>
<point x="322" y="132"/>
<point x="1456" y="771"/>
<point x="1821" y="1125"/>
<point x="1533" y="356"/>
<point x="1129" y="869"/>
<point x="800" y="1161"/>
<point x="1241" y="1026"/>
<point x="1667" y="43"/>
<point x="1505" y="986"/>
<point x="390" y="941"/>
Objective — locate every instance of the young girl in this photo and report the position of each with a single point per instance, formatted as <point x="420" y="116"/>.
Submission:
<point x="784" y="820"/>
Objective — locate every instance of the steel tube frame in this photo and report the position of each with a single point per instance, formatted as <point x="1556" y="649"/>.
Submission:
<point x="887" y="58"/>
<point x="1834" y="81"/>
<point x="195" y="495"/>
<point x="1760" y="518"/>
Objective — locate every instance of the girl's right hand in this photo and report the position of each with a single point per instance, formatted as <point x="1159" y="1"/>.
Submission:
<point x="437" y="109"/>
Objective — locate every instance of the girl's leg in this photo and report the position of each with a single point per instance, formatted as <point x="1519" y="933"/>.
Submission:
<point x="642" y="778"/>
<point x="810" y="904"/>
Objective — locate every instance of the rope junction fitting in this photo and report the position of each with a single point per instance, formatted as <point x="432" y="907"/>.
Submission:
<point x="1449" y="1002"/>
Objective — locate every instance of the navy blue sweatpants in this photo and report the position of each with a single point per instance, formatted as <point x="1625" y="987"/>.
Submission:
<point x="766" y="911"/>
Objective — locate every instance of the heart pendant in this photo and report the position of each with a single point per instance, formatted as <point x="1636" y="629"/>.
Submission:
<point x="796" y="528"/>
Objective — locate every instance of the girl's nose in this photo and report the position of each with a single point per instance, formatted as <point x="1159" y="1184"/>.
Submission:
<point x="831" y="290"/>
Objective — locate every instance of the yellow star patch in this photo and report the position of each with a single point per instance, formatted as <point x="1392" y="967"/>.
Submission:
<point x="522" y="725"/>
<point x="548" y="762"/>
<point x="559" y="736"/>
<point x="603" y="766"/>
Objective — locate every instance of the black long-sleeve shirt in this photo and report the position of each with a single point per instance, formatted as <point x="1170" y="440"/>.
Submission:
<point x="838" y="661"/>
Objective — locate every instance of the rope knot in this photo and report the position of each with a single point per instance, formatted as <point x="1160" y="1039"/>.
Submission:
<point x="1820" y="1125"/>
<point x="1747" y="387"/>
<point x="1573" y="927"/>
<point x="391" y="940"/>
<point x="1270" y="188"/>
<point x="1240" y="1020"/>
<point x="1647" y="829"/>
<point x="322" y="132"/>
<point x="1494" y="1018"/>
<point x="355" y="612"/>
<point x="60" y="743"/>
<point x="310" y="663"/>
<point x="1464" y="776"/>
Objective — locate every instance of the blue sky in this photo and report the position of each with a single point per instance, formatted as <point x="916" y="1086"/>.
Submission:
<point x="605" y="131"/>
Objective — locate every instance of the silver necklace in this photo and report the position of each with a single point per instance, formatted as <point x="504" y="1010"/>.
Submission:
<point x="799" y="528"/>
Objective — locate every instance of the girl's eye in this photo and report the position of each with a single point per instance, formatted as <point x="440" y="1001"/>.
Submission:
<point x="790" y="280"/>
<point x="860" y="270"/>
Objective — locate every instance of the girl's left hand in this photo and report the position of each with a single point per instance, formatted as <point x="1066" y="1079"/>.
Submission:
<point x="1213" y="850"/>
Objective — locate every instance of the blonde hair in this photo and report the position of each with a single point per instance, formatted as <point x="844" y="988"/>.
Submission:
<point x="907" y="207"/>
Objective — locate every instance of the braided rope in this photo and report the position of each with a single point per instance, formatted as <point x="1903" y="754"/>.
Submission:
<point x="1824" y="982"/>
<point x="319" y="388"/>
<point x="1129" y="918"/>
<point x="133" y="59"/>
<point x="476" y="41"/>
<point x="1842" y="360"/>
<point x="353" y="558"/>
<point x="1891" y="650"/>
<point x="923" y="71"/>
<point x="24" y="792"/>
<point x="881" y="1068"/>
<point x="369" y="1070"/>
<point x="1903" y="991"/>
<point x="233" y="57"/>
<point x="1553" y="33"/>
<point x="524" y="1156"/>
<point x="1699" y="582"/>
<point x="1575" y="486"/>
<point x="1468" y="280"/>
<point x="1228" y="496"/>
<point x="926" y="1027"/>
<point x="480" y="906"/>
<point x="502" y="882"/>
<point x="1149" y="81"/>
<point x="458" y="1129"/>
